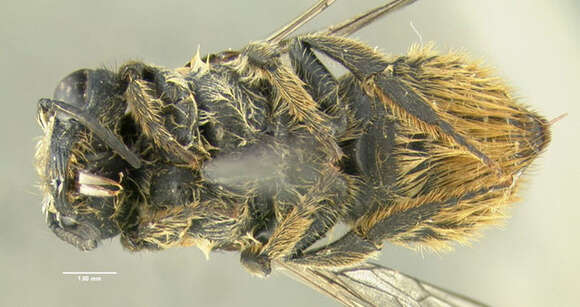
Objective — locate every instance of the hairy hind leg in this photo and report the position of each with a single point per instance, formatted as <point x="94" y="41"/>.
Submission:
<point x="379" y="77"/>
<point x="428" y="220"/>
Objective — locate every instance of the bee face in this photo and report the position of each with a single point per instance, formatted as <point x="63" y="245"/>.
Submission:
<point x="75" y="165"/>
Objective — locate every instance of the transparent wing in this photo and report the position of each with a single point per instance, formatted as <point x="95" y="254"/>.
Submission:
<point x="344" y="28"/>
<point x="356" y="23"/>
<point x="297" y="22"/>
<point x="370" y="284"/>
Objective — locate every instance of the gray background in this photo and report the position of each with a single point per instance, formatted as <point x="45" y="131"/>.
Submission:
<point x="531" y="261"/>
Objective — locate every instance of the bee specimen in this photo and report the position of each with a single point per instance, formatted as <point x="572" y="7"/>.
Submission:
<point x="263" y="151"/>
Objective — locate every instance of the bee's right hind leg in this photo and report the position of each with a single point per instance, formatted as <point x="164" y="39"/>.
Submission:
<point x="379" y="77"/>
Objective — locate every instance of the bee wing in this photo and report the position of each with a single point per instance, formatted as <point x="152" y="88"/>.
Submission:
<point x="352" y="25"/>
<point x="344" y="28"/>
<point x="369" y="284"/>
<point x="297" y="22"/>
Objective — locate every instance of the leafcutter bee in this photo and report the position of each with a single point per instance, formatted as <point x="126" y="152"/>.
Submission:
<point x="262" y="151"/>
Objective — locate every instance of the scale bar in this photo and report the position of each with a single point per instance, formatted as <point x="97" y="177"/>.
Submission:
<point x="89" y="273"/>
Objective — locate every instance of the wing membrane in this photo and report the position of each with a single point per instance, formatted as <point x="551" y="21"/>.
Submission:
<point x="352" y="25"/>
<point x="370" y="284"/>
<point x="344" y="28"/>
<point x="297" y="22"/>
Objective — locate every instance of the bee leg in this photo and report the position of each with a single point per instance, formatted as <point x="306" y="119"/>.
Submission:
<point x="158" y="229"/>
<point x="332" y="202"/>
<point x="289" y="97"/>
<point x="349" y="250"/>
<point x="379" y="78"/>
<point x="316" y="212"/>
<point x="256" y="259"/>
<point x="155" y="94"/>
<point x="437" y="219"/>
<point x="361" y="60"/>
<point x="365" y="240"/>
<point x="427" y="220"/>
<point x="321" y="84"/>
<point x="300" y="229"/>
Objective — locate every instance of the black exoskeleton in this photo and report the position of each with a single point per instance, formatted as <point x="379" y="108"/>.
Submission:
<point x="263" y="151"/>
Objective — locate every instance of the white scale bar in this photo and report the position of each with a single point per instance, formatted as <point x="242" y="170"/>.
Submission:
<point x="89" y="273"/>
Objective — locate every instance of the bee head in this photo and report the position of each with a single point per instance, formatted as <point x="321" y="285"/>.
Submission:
<point x="82" y="157"/>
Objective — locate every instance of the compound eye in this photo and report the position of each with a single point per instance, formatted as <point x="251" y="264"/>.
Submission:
<point x="73" y="88"/>
<point x="82" y="99"/>
<point x="96" y="92"/>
